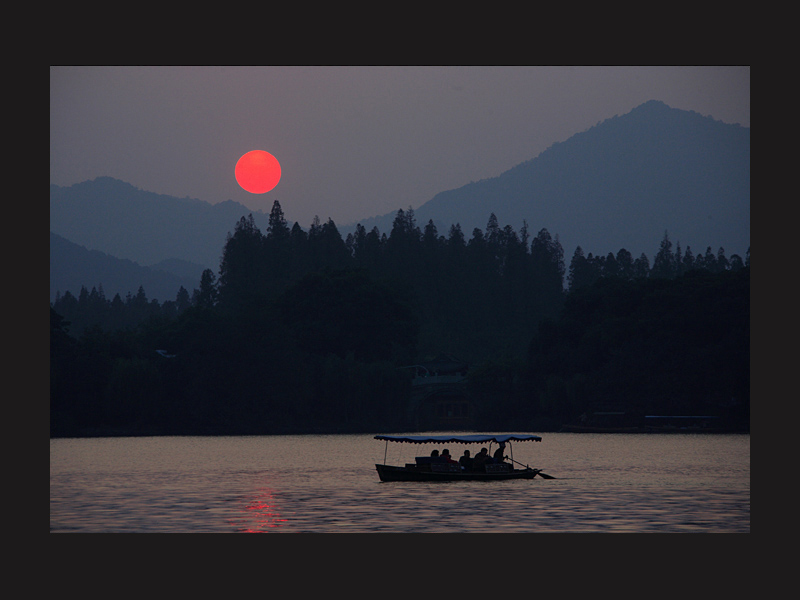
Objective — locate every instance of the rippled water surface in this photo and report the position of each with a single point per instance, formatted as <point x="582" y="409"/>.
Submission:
<point x="605" y="483"/>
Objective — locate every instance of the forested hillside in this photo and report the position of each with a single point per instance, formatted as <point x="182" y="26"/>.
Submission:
<point x="305" y="331"/>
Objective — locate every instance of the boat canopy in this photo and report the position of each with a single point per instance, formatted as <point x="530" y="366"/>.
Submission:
<point x="460" y="439"/>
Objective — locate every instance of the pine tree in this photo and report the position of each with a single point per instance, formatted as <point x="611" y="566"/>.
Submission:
<point x="206" y="296"/>
<point x="709" y="260"/>
<point x="722" y="262"/>
<point x="641" y="267"/>
<point x="625" y="264"/>
<point x="547" y="274"/>
<point x="182" y="299"/>
<point x="493" y="231"/>
<point x="664" y="262"/>
<point x="242" y="272"/>
<point x="402" y="246"/>
<point x="333" y="252"/>
<point x="679" y="269"/>
<point x="277" y="228"/>
<point x="455" y="237"/>
<point x="548" y="256"/>
<point x="611" y="269"/>
<point x="583" y="270"/>
<point x="430" y="236"/>
<point x="688" y="260"/>
<point x="298" y="251"/>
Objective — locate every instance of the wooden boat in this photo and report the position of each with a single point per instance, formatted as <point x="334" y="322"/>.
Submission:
<point x="427" y="468"/>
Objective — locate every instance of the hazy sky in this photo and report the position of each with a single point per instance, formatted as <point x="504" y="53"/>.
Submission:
<point x="353" y="142"/>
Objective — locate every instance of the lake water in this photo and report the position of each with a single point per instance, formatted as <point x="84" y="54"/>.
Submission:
<point x="328" y="483"/>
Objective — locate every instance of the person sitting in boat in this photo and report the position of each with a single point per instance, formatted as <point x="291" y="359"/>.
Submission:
<point x="446" y="456"/>
<point x="466" y="461"/>
<point x="435" y="457"/>
<point x="481" y="458"/>
<point x="499" y="454"/>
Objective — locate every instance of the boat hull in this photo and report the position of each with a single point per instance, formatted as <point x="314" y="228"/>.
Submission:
<point x="410" y="473"/>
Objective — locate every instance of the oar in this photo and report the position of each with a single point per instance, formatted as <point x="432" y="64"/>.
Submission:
<point x="538" y="472"/>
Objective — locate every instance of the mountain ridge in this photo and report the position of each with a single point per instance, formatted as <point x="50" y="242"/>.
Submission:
<point x="656" y="168"/>
<point x="118" y="218"/>
<point x="73" y="266"/>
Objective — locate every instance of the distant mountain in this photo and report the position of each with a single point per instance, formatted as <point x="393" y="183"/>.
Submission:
<point x="73" y="266"/>
<point x="620" y="184"/>
<point x="181" y="268"/>
<point x="117" y="218"/>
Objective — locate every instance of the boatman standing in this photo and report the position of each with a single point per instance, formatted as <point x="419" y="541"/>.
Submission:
<point x="499" y="453"/>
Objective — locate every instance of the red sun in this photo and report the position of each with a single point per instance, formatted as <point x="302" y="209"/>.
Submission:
<point x="258" y="172"/>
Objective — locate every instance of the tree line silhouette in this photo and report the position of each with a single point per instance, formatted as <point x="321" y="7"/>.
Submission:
<point x="304" y="330"/>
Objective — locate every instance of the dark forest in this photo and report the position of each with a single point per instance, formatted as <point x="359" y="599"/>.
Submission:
<point x="304" y="331"/>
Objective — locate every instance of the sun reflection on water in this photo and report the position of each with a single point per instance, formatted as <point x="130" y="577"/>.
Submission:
<point x="260" y="514"/>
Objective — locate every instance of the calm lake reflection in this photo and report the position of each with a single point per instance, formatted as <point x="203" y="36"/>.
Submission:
<point x="304" y="483"/>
